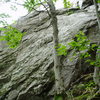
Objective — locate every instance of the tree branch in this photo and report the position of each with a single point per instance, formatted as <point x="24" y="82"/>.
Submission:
<point x="97" y="13"/>
<point x="45" y="8"/>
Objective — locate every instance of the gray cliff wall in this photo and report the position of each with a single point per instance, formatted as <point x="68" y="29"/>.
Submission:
<point x="26" y="73"/>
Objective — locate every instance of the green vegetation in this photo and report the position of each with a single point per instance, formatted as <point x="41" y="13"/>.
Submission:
<point x="62" y="50"/>
<point x="30" y="4"/>
<point x="83" y="90"/>
<point x="70" y="12"/>
<point x="33" y="4"/>
<point x="98" y="1"/>
<point x="3" y="15"/>
<point x="2" y="19"/>
<point x="12" y="36"/>
<point x="58" y="97"/>
<point x="82" y="46"/>
<point x="67" y="4"/>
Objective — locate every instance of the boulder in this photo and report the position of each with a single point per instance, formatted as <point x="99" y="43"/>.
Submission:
<point x="26" y="73"/>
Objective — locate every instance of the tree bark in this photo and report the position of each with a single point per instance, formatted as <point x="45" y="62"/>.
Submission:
<point x="57" y="63"/>
<point x="97" y="14"/>
<point x="96" y="76"/>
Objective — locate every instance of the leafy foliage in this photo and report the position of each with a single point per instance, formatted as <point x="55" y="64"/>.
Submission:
<point x="3" y="23"/>
<point x="12" y="36"/>
<point x="3" y="15"/>
<point x="98" y="1"/>
<point x="83" y="90"/>
<point x="31" y="4"/>
<point x="81" y="45"/>
<point x="70" y="12"/>
<point x="80" y="42"/>
<point x="67" y="4"/>
<point x="2" y="19"/>
<point x="62" y="50"/>
<point x="58" y="97"/>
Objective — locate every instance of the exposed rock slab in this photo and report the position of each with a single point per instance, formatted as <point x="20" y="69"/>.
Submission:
<point x="26" y="72"/>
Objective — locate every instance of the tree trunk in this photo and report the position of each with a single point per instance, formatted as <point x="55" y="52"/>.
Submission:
<point x="97" y="14"/>
<point x="96" y="76"/>
<point x="57" y="63"/>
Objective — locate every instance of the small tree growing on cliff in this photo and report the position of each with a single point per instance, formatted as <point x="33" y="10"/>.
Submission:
<point x="57" y="64"/>
<point x="30" y="5"/>
<point x="97" y="69"/>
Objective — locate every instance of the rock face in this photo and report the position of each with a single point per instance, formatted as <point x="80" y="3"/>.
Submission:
<point x="26" y="73"/>
<point x="87" y="3"/>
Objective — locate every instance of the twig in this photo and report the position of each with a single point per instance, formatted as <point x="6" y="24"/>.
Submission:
<point x="77" y="81"/>
<point x="45" y="8"/>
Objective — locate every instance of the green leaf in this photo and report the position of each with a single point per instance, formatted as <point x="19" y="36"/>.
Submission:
<point x="93" y="46"/>
<point x="58" y="97"/>
<point x="55" y="0"/>
<point x="3" y="15"/>
<point x="12" y="36"/>
<point x="67" y="4"/>
<point x="98" y="1"/>
<point x="62" y="50"/>
<point x="88" y="60"/>
<point x="92" y="63"/>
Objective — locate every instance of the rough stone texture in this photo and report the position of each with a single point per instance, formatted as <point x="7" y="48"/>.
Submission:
<point x="86" y="3"/>
<point x="26" y="73"/>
